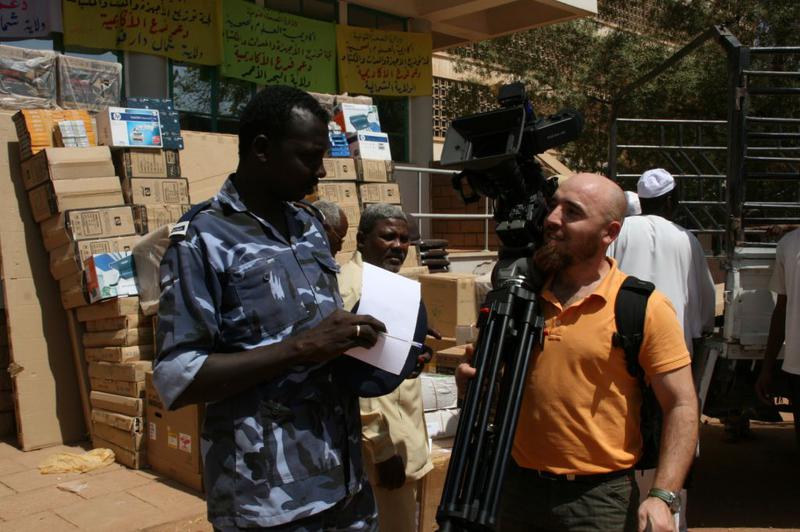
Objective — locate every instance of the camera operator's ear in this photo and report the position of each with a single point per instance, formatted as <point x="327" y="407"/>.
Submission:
<point x="260" y="147"/>
<point x="612" y="230"/>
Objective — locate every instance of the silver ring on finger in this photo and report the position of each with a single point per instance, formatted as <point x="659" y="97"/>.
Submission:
<point x="358" y="330"/>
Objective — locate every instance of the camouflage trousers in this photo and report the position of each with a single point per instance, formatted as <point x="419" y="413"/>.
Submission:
<point x="355" y="513"/>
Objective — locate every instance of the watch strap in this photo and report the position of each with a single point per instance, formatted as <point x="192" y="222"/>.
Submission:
<point x="669" y="497"/>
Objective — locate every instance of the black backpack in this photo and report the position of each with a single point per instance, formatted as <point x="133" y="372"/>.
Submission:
<point x="629" y="313"/>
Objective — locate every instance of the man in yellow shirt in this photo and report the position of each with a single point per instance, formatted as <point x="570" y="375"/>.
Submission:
<point x="394" y="436"/>
<point x="578" y="435"/>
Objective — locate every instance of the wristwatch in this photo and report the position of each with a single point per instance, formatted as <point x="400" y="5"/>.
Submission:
<point x="670" y="497"/>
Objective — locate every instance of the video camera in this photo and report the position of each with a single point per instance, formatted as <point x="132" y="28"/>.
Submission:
<point x="496" y="152"/>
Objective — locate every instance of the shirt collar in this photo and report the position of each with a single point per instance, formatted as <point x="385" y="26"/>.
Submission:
<point x="229" y="196"/>
<point x="606" y="290"/>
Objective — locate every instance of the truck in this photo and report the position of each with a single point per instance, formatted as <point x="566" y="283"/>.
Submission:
<point x="739" y="190"/>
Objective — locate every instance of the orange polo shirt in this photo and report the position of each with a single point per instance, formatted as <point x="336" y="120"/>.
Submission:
<point x="580" y="408"/>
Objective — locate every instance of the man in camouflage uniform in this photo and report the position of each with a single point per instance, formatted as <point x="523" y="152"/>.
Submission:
<point x="249" y="319"/>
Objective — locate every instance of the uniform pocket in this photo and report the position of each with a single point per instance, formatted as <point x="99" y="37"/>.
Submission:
<point x="267" y="295"/>
<point x="296" y="442"/>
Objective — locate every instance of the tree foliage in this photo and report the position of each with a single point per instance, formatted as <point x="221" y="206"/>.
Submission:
<point x="583" y="64"/>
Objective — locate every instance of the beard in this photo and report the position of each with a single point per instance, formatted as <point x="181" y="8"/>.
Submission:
<point x="549" y="259"/>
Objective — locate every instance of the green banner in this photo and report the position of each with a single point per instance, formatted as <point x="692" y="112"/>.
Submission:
<point x="268" y="47"/>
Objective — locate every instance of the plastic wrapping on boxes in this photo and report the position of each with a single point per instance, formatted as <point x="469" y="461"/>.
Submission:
<point x="147" y="255"/>
<point x="27" y="78"/>
<point x="88" y="83"/>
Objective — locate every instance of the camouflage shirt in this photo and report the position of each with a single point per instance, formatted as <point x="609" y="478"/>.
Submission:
<point x="290" y="447"/>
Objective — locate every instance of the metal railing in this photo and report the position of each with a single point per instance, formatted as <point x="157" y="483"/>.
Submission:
<point x="422" y="215"/>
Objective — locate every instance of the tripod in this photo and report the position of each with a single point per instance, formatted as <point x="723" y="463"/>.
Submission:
<point x="510" y="324"/>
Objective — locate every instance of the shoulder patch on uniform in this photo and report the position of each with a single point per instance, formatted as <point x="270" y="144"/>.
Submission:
<point x="179" y="230"/>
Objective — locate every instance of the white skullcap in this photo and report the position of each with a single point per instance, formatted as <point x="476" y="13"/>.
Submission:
<point x="634" y="207"/>
<point x="655" y="183"/>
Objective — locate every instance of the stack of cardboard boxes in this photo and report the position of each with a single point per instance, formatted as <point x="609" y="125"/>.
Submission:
<point x="35" y="128"/>
<point x="364" y="177"/>
<point x="92" y="202"/>
<point x="118" y="346"/>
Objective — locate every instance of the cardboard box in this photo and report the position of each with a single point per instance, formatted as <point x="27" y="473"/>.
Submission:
<point x="119" y="354"/>
<point x="173" y="438"/>
<point x="110" y="275"/>
<point x="114" y="308"/>
<point x="117" y="420"/>
<point x="354" y="117"/>
<point x="339" y="168"/>
<point x="447" y="360"/>
<point x="63" y="195"/>
<point x="127" y="337"/>
<point x="438" y="391"/>
<point x="156" y="191"/>
<point x="128" y="406"/>
<point x="413" y="272"/>
<point x="122" y="322"/>
<point x="432" y="484"/>
<point x="150" y="217"/>
<point x="349" y="241"/>
<point x="450" y="300"/>
<point x="73" y="291"/>
<point x="353" y="213"/>
<point x="125" y="127"/>
<point x="442" y="423"/>
<point x="85" y="224"/>
<point x="380" y="193"/>
<point x="373" y="170"/>
<point x="173" y="159"/>
<point x="370" y="145"/>
<point x="130" y="441"/>
<point x="340" y="193"/>
<point x="69" y="258"/>
<point x="131" y="459"/>
<point x="53" y="164"/>
<point x="128" y="372"/>
<point x="141" y="162"/>
<point x="437" y="345"/>
<point x="170" y="119"/>
<point x="126" y="388"/>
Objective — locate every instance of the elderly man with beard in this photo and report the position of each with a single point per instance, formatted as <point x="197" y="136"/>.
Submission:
<point x="394" y="436"/>
<point x="578" y="436"/>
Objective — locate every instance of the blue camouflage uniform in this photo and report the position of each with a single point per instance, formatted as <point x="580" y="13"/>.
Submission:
<point x="288" y="448"/>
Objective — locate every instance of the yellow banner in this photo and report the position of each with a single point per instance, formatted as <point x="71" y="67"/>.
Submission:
<point x="388" y="63"/>
<point x="183" y="30"/>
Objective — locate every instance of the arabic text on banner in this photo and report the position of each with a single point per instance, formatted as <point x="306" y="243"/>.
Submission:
<point x="269" y="47"/>
<point x="184" y="30"/>
<point x="27" y="19"/>
<point x="389" y="63"/>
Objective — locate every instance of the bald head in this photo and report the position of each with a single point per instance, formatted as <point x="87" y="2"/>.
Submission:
<point x="600" y="195"/>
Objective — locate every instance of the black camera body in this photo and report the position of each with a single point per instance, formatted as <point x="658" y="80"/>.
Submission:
<point x="495" y="152"/>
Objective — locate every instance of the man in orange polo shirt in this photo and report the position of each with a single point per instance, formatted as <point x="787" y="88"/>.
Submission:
<point x="578" y="434"/>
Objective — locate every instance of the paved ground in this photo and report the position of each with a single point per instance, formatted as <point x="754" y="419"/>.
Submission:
<point x="111" y="498"/>
<point x="751" y="485"/>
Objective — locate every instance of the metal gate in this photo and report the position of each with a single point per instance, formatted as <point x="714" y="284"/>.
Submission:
<point x="736" y="177"/>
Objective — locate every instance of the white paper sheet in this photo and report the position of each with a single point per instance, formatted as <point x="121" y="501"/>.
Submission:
<point x="394" y="300"/>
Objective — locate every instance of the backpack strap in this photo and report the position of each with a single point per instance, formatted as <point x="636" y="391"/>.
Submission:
<point x="629" y="314"/>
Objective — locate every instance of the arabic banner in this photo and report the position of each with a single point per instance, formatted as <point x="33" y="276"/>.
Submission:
<point x="388" y="63"/>
<point x="27" y="19"/>
<point x="269" y="47"/>
<point x="184" y="30"/>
